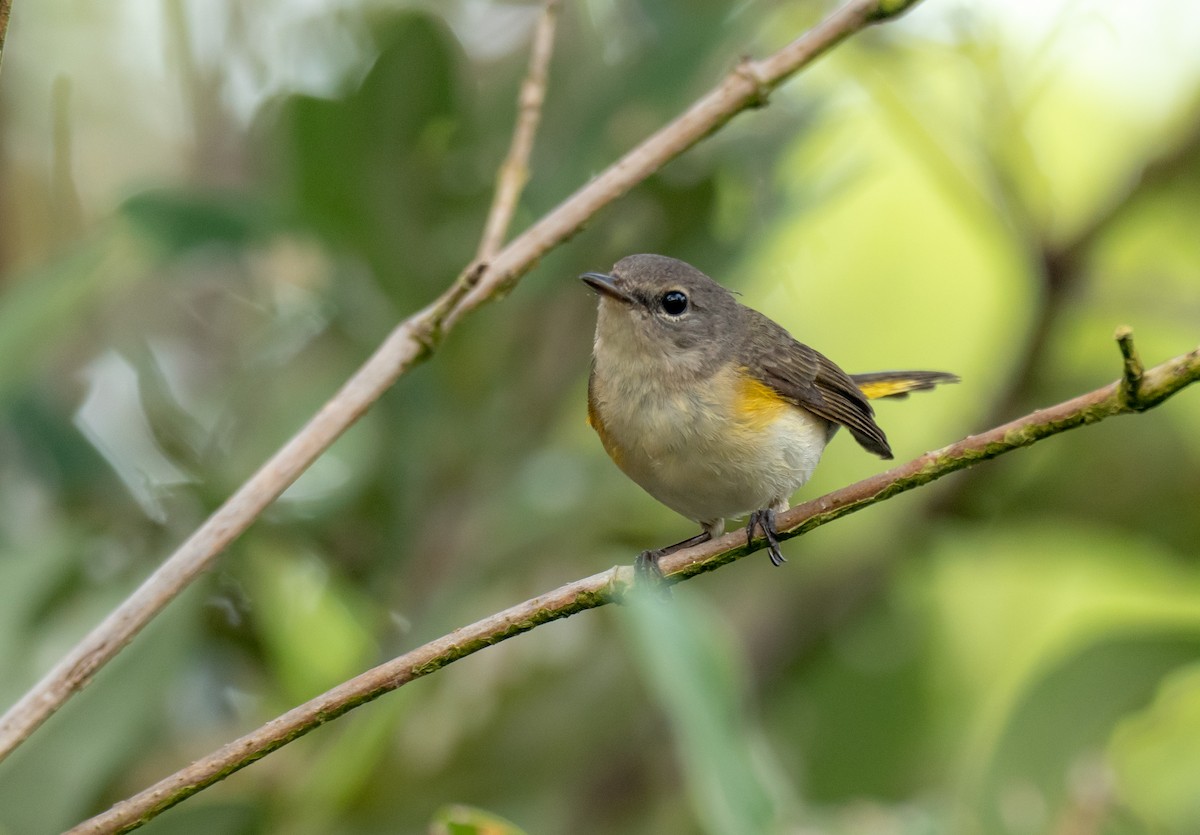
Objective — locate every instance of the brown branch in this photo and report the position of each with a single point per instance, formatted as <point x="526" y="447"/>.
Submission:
<point x="412" y="342"/>
<point x="1133" y="372"/>
<point x="1062" y="266"/>
<point x="5" y="12"/>
<point x="748" y="86"/>
<point x="514" y="173"/>
<point x="1155" y="385"/>
<point x="1061" y="270"/>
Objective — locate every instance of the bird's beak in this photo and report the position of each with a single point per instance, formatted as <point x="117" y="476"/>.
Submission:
<point x="606" y="285"/>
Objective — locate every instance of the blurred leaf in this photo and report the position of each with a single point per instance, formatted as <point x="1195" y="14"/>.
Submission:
<point x="1156" y="756"/>
<point x="1057" y="634"/>
<point x="857" y="721"/>
<point x="371" y="170"/>
<point x="180" y="219"/>
<point x="312" y="626"/>
<point x="63" y="773"/>
<point x="46" y="309"/>
<point x="28" y="579"/>
<point x="691" y="668"/>
<point x="343" y="764"/>
<point x="1049" y="756"/>
<point x="227" y="818"/>
<point x="466" y="820"/>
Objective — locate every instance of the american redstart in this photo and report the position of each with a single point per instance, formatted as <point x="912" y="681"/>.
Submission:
<point x="711" y="407"/>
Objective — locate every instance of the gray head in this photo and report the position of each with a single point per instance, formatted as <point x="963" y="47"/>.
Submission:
<point x="658" y="309"/>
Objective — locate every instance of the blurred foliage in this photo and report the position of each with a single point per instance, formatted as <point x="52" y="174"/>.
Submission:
<point x="463" y="820"/>
<point x="214" y="211"/>
<point x="689" y="663"/>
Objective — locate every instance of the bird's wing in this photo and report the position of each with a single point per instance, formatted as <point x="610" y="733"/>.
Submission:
<point x="809" y="379"/>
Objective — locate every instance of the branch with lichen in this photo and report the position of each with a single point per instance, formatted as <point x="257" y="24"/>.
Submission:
<point x="1136" y="391"/>
<point x="413" y="341"/>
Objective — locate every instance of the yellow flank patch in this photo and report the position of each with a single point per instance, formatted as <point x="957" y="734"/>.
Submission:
<point x="890" y="388"/>
<point x="758" y="405"/>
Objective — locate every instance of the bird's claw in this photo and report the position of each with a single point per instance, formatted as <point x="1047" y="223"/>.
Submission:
<point x="647" y="572"/>
<point x="764" y="520"/>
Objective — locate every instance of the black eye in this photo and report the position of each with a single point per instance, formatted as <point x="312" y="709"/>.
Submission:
<point x="674" y="302"/>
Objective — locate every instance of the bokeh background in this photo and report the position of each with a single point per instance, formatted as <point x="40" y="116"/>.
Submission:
<point x="213" y="211"/>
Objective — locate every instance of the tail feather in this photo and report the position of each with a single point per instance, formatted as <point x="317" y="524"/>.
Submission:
<point x="899" y="383"/>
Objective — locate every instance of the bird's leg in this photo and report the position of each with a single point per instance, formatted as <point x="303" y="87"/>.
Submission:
<point x="646" y="564"/>
<point x="765" y="521"/>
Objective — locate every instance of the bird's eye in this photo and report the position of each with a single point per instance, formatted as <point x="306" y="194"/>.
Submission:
<point x="674" y="302"/>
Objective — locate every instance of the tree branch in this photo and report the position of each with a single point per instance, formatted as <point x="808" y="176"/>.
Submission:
<point x="5" y="12"/>
<point x="1061" y="267"/>
<point x="411" y="343"/>
<point x="1121" y="397"/>
<point x="514" y="173"/>
<point x="1061" y="272"/>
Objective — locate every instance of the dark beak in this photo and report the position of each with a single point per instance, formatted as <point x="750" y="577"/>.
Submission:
<point x="606" y="285"/>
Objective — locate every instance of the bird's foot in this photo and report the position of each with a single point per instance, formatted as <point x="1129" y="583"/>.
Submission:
<point x="648" y="576"/>
<point x="646" y="568"/>
<point x="764" y="520"/>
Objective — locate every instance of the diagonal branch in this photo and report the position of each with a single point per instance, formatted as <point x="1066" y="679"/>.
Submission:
<point x="514" y="173"/>
<point x="1153" y="387"/>
<point x="412" y="342"/>
<point x="1061" y="268"/>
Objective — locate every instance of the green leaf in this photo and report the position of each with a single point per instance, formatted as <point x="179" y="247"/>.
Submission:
<point x="1059" y="634"/>
<point x="1049" y="760"/>
<point x="690" y="666"/>
<point x="180" y="219"/>
<point x="367" y="170"/>
<point x="467" y="820"/>
<point x="1155" y="758"/>
<point x="67" y="769"/>
<point x="45" y="309"/>
<point x="312" y="626"/>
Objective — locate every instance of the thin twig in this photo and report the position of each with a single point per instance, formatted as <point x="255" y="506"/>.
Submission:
<point x="1131" y="384"/>
<point x="1157" y="384"/>
<point x="412" y="342"/>
<point x="514" y="173"/>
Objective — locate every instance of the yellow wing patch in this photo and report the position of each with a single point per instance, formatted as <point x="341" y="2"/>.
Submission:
<point x="757" y="405"/>
<point x="892" y="388"/>
<point x="888" y="388"/>
<point x="899" y="383"/>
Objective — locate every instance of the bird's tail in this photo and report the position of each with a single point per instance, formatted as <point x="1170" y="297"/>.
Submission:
<point x="899" y="383"/>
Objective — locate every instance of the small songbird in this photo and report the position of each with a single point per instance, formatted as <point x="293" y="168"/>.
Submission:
<point x="711" y="407"/>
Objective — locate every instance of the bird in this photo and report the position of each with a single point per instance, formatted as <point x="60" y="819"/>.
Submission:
<point x="713" y="408"/>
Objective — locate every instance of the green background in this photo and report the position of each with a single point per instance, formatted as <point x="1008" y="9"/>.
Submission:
<point x="213" y="212"/>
